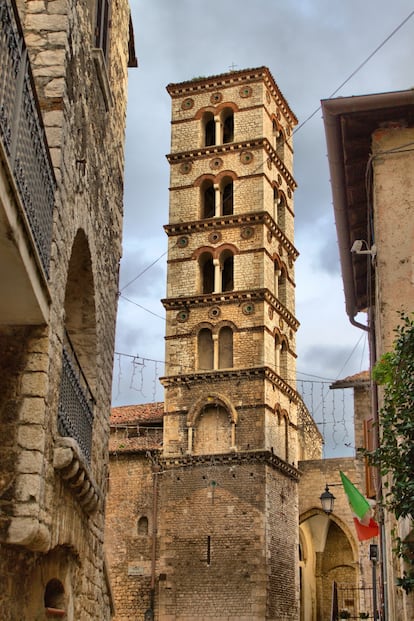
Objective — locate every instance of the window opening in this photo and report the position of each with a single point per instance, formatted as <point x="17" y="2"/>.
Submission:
<point x="142" y="525"/>
<point x="205" y="349"/>
<point x="209" y="130"/>
<point x="207" y="273"/>
<point x="227" y="280"/>
<point x="54" y="596"/>
<point x="225" y="344"/>
<point x="208" y="549"/>
<point x="228" y="128"/>
<point x="102" y="25"/>
<point x="209" y="201"/>
<point x="227" y="209"/>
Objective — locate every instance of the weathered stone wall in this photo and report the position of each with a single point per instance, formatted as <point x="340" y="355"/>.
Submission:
<point x="42" y="517"/>
<point x="393" y="196"/>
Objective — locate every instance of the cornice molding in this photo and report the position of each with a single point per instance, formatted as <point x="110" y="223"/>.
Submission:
<point x="231" y="297"/>
<point x="187" y="379"/>
<point x="235" y="457"/>
<point x="259" y="217"/>
<point x="233" y="78"/>
<point x="215" y="150"/>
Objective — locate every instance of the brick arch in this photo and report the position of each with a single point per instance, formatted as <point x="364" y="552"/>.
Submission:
<point x="211" y="400"/>
<point x="215" y="178"/>
<point x="215" y="252"/>
<point x="199" y="251"/>
<point x="282" y="337"/>
<point x="224" y="324"/>
<point x="215" y="110"/>
<point x="281" y="264"/>
<point x="201" y="325"/>
<point x="220" y="249"/>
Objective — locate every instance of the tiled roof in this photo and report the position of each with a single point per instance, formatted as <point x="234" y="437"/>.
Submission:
<point x="121" y="444"/>
<point x="358" y="379"/>
<point x="135" y="414"/>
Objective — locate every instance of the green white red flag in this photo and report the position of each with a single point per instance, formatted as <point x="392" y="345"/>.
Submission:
<point x="366" y="527"/>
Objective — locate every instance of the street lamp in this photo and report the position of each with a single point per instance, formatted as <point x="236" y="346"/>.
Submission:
<point x="327" y="500"/>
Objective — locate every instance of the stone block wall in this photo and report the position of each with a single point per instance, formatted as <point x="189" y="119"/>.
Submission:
<point x="53" y="530"/>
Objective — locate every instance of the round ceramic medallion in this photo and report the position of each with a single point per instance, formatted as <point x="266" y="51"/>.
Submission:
<point x="216" y="98"/>
<point x="216" y="164"/>
<point x="246" y="91"/>
<point x="182" y="242"/>
<point x="248" y="308"/>
<point x="214" y="312"/>
<point x="185" y="168"/>
<point x="187" y="104"/>
<point x="246" y="157"/>
<point x="214" y="237"/>
<point x="182" y="316"/>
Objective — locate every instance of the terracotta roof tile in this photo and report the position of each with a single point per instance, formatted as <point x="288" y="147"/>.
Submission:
<point x="352" y="380"/>
<point x="135" y="414"/>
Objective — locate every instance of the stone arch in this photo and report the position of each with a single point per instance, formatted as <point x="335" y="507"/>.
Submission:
<point x="211" y="399"/>
<point x="211" y="425"/>
<point x="332" y="555"/>
<point x="79" y="350"/>
<point x="80" y="307"/>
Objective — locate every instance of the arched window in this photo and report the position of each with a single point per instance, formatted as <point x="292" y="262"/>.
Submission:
<point x="281" y="212"/>
<point x="277" y="274"/>
<point x="276" y="201"/>
<point x="79" y="365"/>
<point x="208" y="199"/>
<point x="227" y="119"/>
<point x="283" y="367"/>
<point x="227" y="271"/>
<point x="205" y="349"/>
<point x="225" y="345"/>
<point x="278" y="348"/>
<point x="285" y="437"/>
<point x="278" y="141"/>
<point x="209" y="129"/>
<point x="282" y="287"/>
<point x="280" y="145"/>
<point x="212" y="431"/>
<point x="142" y="525"/>
<point x="54" y="596"/>
<point x="227" y="197"/>
<point x="206" y="272"/>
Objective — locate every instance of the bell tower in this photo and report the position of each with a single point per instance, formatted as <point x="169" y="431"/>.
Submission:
<point x="228" y="495"/>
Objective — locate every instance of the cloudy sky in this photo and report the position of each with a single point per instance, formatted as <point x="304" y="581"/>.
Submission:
<point x="311" y="47"/>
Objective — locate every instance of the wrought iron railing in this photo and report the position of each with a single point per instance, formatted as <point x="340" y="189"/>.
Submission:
<point x="22" y="132"/>
<point x="76" y="402"/>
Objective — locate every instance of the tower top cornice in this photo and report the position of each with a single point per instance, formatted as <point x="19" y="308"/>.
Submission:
<point x="233" y="78"/>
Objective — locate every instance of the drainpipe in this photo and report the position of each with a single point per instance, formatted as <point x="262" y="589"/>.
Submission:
<point x="374" y="402"/>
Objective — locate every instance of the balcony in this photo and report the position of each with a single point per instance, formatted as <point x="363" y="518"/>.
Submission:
<point x="75" y="412"/>
<point x="27" y="183"/>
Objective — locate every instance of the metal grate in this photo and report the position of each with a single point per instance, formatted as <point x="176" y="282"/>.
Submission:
<point x="22" y="132"/>
<point x="75" y="413"/>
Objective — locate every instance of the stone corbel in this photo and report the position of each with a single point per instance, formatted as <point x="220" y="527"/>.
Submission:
<point x="74" y="470"/>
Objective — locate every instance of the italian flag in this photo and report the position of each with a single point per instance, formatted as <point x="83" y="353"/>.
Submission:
<point x="366" y="527"/>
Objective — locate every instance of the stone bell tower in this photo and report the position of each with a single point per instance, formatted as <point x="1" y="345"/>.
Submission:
<point x="228" y="508"/>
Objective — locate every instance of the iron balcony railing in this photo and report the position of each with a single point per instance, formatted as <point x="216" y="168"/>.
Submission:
<point x="76" y="402"/>
<point x="22" y="132"/>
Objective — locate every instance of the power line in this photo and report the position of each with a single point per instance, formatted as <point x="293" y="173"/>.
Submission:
<point x="364" y="62"/>
<point x="298" y="128"/>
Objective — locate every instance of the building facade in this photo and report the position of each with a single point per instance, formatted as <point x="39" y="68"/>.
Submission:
<point x="63" y="103"/>
<point x="224" y="485"/>
<point x="372" y="163"/>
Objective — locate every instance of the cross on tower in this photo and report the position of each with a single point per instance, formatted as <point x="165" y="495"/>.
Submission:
<point x="232" y="67"/>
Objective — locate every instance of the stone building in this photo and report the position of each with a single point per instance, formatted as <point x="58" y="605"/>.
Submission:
<point x="371" y="159"/>
<point x="204" y="524"/>
<point x="63" y="72"/>
<point x="330" y="553"/>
